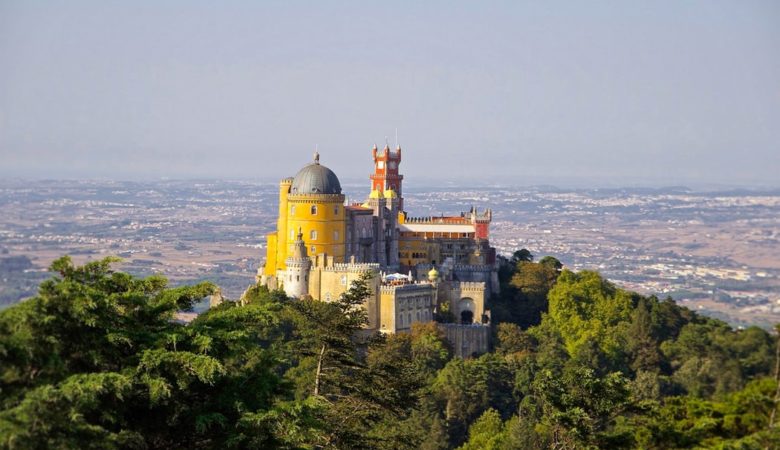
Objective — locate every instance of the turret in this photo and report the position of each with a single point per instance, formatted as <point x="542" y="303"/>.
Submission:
<point x="296" y="278"/>
<point x="481" y="223"/>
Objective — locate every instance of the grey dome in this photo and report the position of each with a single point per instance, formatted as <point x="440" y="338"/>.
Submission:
<point x="316" y="179"/>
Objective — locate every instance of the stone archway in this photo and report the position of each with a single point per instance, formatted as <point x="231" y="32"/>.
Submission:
<point x="465" y="311"/>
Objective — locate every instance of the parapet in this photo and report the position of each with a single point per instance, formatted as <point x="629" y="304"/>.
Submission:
<point x="351" y="267"/>
<point x="392" y="288"/>
<point x="472" y="268"/>
<point x="469" y="285"/>
<point x="339" y="198"/>
<point x="438" y="220"/>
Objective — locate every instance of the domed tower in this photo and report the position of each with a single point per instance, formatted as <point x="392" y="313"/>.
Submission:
<point x="296" y="278"/>
<point x="315" y="207"/>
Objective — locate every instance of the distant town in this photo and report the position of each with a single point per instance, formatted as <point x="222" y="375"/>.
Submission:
<point x="714" y="252"/>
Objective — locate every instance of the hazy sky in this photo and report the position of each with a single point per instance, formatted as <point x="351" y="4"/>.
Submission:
<point x="682" y="92"/>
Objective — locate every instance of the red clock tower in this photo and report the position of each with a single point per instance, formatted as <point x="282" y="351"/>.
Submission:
<point x="386" y="176"/>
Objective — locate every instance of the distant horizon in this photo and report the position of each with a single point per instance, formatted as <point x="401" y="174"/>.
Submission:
<point x="413" y="185"/>
<point x="586" y="94"/>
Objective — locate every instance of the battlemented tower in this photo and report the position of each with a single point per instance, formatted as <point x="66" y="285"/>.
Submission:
<point x="386" y="176"/>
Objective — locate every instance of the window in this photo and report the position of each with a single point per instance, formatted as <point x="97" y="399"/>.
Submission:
<point x="400" y="320"/>
<point x="313" y="250"/>
<point x="336" y="210"/>
<point x="313" y="235"/>
<point x="327" y="296"/>
<point x="292" y="210"/>
<point x="343" y="280"/>
<point x="336" y="236"/>
<point x="313" y="210"/>
<point x="292" y="234"/>
<point x="409" y="316"/>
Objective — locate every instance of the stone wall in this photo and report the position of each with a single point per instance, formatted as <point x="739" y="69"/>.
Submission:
<point x="467" y="340"/>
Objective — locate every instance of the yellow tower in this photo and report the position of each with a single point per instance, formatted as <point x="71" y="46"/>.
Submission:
<point x="315" y="206"/>
<point x="310" y="203"/>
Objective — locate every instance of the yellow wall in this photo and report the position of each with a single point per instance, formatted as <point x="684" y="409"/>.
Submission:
<point x="281" y="225"/>
<point x="295" y="213"/>
<point x="270" y="255"/>
<point x="427" y="251"/>
<point x="329" y="222"/>
<point x="328" y="285"/>
<point x="387" y="312"/>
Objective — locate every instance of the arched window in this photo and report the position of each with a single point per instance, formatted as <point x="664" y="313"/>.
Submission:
<point x="292" y="210"/>
<point x="313" y="250"/>
<point x="409" y="316"/>
<point x="335" y="235"/>
<point x="313" y="210"/>
<point x="336" y="210"/>
<point x="313" y="235"/>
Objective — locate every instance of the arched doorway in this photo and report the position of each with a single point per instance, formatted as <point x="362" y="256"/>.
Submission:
<point x="465" y="311"/>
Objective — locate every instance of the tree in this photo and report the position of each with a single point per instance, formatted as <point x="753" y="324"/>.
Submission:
<point x="580" y="406"/>
<point x="522" y="255"/>
<point x="552" y="263"/>
<point x="523" y="299"/>
<point x="585" y="307"/>
<point x="512" y="340"/>
<point x="97" y="361"/>
<point x="486" y="433"/>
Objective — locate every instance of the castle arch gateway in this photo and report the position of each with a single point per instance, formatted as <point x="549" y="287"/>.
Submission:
<point x="465" y="310"/>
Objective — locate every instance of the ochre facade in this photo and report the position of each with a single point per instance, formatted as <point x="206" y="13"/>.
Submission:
<point x="424" y="268"/>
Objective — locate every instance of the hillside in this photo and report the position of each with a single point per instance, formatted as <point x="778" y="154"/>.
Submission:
<point x="96" y="360"/>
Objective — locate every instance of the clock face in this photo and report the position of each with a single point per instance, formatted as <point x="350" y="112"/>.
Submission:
<point x="392" y="165"/>
<point x="380" y="165"/>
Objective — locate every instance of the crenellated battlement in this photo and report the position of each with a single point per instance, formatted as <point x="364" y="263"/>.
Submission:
<point x="391" y="288"/>
<point x="351" y="267"/>
<point x="439" y="220"/>
<point x="311" y="198"/>
<point x="472" y="268"/>
<point x="469" y="285"/>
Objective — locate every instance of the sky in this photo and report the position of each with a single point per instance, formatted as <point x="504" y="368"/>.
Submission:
<point x="545" y="92"/>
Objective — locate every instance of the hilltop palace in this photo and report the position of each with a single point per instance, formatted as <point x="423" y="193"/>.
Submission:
<point x="422" y="266"/>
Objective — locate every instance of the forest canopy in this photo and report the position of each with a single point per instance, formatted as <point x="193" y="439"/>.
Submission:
<point x="98" y="360"/>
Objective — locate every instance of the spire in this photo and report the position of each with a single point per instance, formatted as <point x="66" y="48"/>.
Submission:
<point x="299" y="251"/>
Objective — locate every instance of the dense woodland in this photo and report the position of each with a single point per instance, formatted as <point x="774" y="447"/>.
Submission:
<point x="96" y="360"/>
